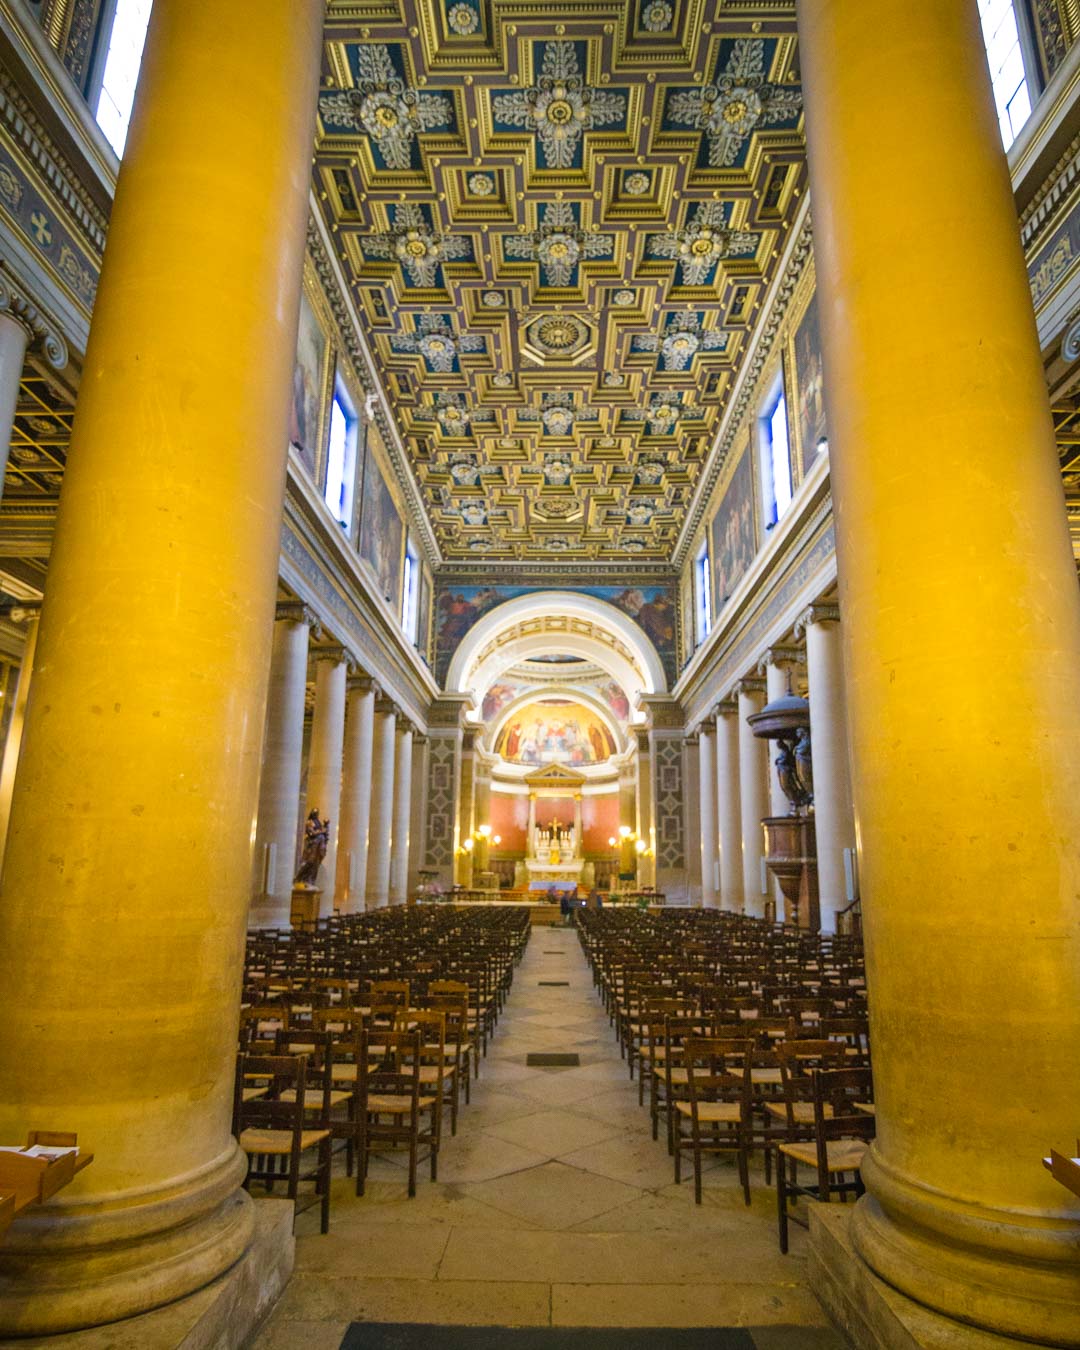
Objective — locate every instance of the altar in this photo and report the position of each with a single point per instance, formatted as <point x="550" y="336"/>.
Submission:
<point x="554" y="855"/>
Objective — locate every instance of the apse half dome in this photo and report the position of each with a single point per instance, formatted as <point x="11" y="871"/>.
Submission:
<point x="555" y="731"/>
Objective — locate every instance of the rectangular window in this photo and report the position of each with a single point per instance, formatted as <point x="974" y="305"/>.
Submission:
<point x="775" y="458"/>
<point x="1005" y="56"/>
<point x="341" y="459"/>
<point x="703" y="594"/>
<point x="410" y="592"/>
<point x="123" y="57"/>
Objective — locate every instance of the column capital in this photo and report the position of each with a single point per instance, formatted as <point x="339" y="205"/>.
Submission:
<point x="750" y="684"/>
<point x="780" y="655"/>
<point x="706" y="726"/>
<point x="295" y="611"/>
<point x="42" y="333"/>
<point x="22" y="611"/>
<point x="816" y="613"/>
<point x="338" y="655"/>
<point x="404" y="726"/>
<point x="385" y="704"/>
<point x="362" y="683"/>
<point x="728" y="707"/>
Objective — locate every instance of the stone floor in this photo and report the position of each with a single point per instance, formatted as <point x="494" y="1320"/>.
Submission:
<point x="554" y="1206"/>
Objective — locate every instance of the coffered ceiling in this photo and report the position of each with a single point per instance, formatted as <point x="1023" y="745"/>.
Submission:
<point x="558" y="221"/>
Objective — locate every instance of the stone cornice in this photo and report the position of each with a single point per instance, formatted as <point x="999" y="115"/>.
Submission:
<point x="24" y="127"/>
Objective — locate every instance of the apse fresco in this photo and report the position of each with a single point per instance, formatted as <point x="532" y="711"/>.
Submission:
<point x="309" y="381"/>
<point x="555" y="731"/>
<point x="734" y="537"/>
<point x="810" y="383"/>
<point x="382" y="534"/>
<point x="650" y="606"/>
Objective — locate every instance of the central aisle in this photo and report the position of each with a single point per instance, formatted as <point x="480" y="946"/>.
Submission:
<point x="554" y="1206"/>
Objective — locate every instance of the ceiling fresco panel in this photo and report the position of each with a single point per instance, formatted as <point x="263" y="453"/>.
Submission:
<point x="558" y="220"/>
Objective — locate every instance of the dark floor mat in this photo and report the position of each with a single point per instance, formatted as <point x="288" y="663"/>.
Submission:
<point x="546" y="1060"/>
<point x="410" y="1336"/>
<point x="554" y="984"/>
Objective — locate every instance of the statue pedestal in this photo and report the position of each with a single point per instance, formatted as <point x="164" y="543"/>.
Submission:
<point x="791" y="856"/>
<point x="304" y="910"/>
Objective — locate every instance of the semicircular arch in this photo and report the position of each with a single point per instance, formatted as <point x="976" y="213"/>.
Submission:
<point x="556" y="621"/>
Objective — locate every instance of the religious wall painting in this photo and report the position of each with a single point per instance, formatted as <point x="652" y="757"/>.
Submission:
<point x="650" y="606"/>
<point x="555" y="731"/>
<point x="614" y="696"/>
<point x="686" y="595"/>
<point x="423" y="611"/>
<point x="382" y="534"/>
<point x="309" y="387"/>
<point x="809" y="387"/>
<point x="734" y="530"/>
<point x="499" y="695"/>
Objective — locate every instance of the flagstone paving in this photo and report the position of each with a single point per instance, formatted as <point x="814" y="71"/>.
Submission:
<point x="554" y="1206"/>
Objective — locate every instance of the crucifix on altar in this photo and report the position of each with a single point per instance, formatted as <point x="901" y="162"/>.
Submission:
<point x="553" y="845"/>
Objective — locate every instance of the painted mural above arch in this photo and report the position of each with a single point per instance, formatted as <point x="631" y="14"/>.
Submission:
<point x="555" y="731"/>
<point x="651" y="606"/>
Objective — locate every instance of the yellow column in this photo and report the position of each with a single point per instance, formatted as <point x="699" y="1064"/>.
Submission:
<point x="125" y="884"/>
<point x="952" y="542"/>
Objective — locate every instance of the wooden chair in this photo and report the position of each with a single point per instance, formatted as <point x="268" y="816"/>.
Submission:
<point x="840" y="1138"/>
<point x="275" y="1129"/>
<point x="715" y="1119"/>
<point x="459" y="1047"/>
<point x="434" y="1071"/>
<point x="393" y="1109"/>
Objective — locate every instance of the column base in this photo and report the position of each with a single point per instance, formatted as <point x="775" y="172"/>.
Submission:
<point x="872" y="1314"/>
<point x="223" y="1316"/>
<point x="81" y="1262"/>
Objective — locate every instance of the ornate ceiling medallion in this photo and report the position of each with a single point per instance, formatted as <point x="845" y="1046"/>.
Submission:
<point x="704" y="243"/>
<point x="413" y="242"/>
<point x="558" y="245"/>
<point x="385" y="107"/>
<point x="556" y="337"/>
<point x="434" y="339"/>
<point x="732" y="108"/>
<point x="560" y="106"/>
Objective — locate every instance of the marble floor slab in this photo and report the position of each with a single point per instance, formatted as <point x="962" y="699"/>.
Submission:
<point x="554" y="1208"/>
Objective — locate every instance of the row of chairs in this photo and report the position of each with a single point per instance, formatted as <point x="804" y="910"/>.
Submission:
<point x="782" y="1066"/>
<point x="331" y="1062"/>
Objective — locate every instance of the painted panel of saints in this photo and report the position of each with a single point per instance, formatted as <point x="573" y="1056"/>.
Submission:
<point x="309" y="387"/>
<point x="382" y="534"/>
<point x="734" y="534"/>
<point x="810" y="383"/>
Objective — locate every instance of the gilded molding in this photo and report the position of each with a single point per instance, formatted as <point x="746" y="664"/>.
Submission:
<point x="733" y="419"/>
<point x="349" y="329"/>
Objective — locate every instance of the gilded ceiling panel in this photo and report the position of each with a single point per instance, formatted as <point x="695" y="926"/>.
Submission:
<point x="558" y="220"/>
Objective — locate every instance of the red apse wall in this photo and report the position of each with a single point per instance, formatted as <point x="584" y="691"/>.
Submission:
<point x="509" y="817"/>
